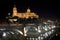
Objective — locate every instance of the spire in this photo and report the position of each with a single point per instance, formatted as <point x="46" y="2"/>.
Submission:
<point x="14" y="10"/>
<point x="28" y="10"/>
<point x="14" y="6"/>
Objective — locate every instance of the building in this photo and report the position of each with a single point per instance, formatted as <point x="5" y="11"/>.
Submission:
<point x="26" y="15"/>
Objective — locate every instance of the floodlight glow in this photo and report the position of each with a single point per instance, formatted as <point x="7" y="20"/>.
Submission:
<point x="56" y="34"/>
<point x="49" y="32"/>
<point x="39" y="31"/>
<point x="19" y="31"/>
<point x="53" y="26"/>
<point x="46" y="29"/>
<point x="35" y="28"/>
<point x="52" y="30"/>
<point x="46" y="34"/>
<point x="41" y="37"/>
<point x="25" y="34"/>
<point x="15" y="19"/>
<point x="25" y="30"/>
<point x="49" y="27"/>
<point x="4" y="34"/>
<point x="12" y="32"/>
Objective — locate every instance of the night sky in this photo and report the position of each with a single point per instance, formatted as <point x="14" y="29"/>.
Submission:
<point x="44" y="8"/>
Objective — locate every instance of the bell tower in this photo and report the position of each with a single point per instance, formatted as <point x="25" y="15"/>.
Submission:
<point x="14" y="11"/>
<point x="28" y="10"/>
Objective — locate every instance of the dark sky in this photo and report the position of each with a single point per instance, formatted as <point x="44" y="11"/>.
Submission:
<point x="44" y="8"/>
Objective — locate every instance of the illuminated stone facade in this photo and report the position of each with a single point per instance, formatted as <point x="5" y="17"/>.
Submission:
<point x="26" y="15"/>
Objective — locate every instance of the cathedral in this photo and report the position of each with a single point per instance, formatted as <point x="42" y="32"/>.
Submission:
<point x="27" y="14"/>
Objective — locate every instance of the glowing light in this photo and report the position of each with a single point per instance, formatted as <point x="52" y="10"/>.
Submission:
<point x="52" y="30"/>
<point x="15" y="19"/>
<point x="49" y="27"/>
<point x="8" y="13"/>
<point x="46" y="29"/>
<point x="46" y="34"/>
<point x="19" y="31"/>
<point x="28" y="10"/>
<point x="12" y="32"/>
<point x="39" y="31"/>
<point x="33" y="38"/>
<point x="4" y="34"/>
<point x="49" y="32"/>
<point x="53" y="26"/>
<point x="25" y="32"/>
<point x="41" y="37"/>
<point x="36" y="29"/>
<point x="45" y="22"/>
<point x="41" y="34"/>
<point x="56" y="34"/>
